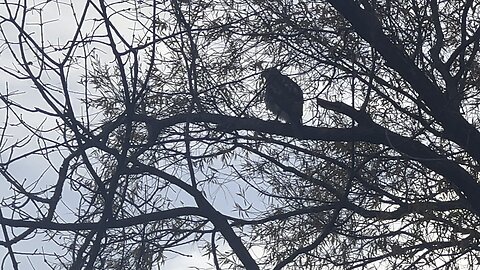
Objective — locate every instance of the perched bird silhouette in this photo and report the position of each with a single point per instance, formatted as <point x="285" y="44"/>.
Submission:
<point x="283" y="96"/>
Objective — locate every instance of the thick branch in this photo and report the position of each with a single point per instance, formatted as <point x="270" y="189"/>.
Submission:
<point x="369" y="28"/>
<point x="219" y="221"/>
<point x="367" y="131"/>
<point x="122" y="223"/>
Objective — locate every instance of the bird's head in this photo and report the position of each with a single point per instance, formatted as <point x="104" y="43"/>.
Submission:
<point x="270" y="72"/>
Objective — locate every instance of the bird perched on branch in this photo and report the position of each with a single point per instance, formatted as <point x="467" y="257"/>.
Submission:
<point x="283" y="96"/>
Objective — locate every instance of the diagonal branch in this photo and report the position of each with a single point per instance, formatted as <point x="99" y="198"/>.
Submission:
<point x="367" y="25"/>
<point x="219" y="221"/>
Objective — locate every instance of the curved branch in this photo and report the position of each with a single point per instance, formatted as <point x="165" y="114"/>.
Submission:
<point x="367" y="131"/>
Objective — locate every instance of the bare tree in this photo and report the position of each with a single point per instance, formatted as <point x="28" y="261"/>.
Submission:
<point x="132" y="129"/>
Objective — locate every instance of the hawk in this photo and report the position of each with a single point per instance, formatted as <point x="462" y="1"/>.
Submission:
<point x="283" y="96"/>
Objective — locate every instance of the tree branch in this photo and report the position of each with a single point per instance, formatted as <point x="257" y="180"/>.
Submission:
<point x="369" y="28"/>
<point x="218" y="220"/>
<point x="367" y="131"/>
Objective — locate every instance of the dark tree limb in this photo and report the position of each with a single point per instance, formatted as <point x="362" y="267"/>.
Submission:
<point x="366" y="131"/>
<point x="367" y="25"/>
<point x="218" y="220"/>
<point x="118" y="223"/>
